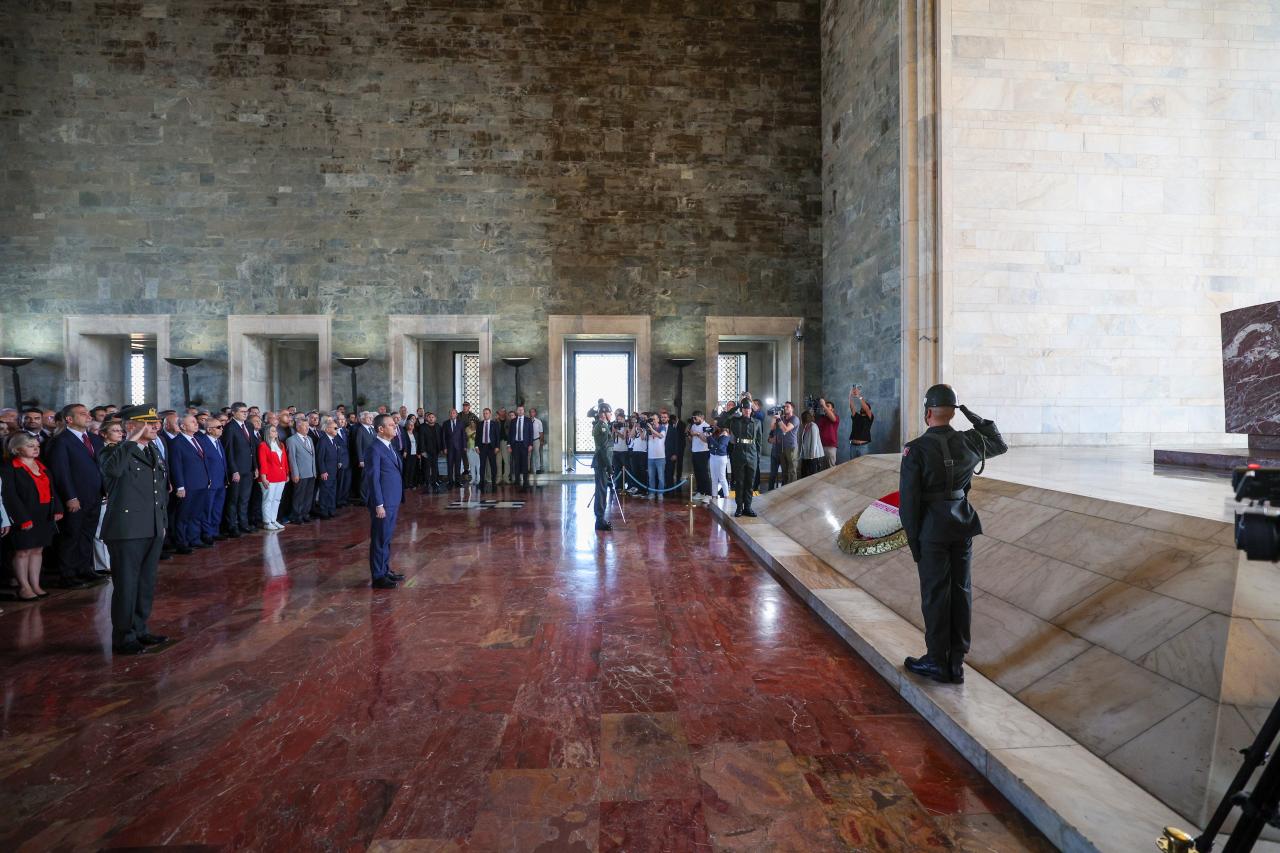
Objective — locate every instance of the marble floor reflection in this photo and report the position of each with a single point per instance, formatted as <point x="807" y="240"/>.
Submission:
<point x="533" y="686"/>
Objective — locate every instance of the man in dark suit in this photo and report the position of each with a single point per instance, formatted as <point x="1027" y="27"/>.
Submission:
<point x="133" y="526"/>
<point x="328" y="461"/>
<point x="429" y="447"/>
<point x="488" y="434"/>
<point x="215" y="460"/>
<point x="674" y="447"/>
<point x="521" y="441"/>
<point x="72" y="457"/>
<point x="168" y="431"/>
<point x="342" y="487"/>
<point x="384" y="487"/>
<point x="33" y="425"/>
<point x="364" y="439"/>
<point x="453" y="434"/>
<point x="190" y="477"/>
<point x="241" y="453"/>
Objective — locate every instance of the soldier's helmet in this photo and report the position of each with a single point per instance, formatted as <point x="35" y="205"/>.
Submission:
<point x="939" y="397"/>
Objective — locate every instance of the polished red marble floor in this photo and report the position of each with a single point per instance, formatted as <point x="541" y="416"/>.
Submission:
<point x="533" y="686"/>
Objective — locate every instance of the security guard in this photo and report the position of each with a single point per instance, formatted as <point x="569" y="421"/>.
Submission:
<point x="602" y="462"/>
<point x="936" y="475"/>
<point x="744" y="453"/>
<point x="133" y="527"/>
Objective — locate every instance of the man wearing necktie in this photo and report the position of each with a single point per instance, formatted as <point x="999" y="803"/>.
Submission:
<point x="302" y="471"/>
<point x="385" y="488"/>
<point x="72" y="456"/>
<point x="190" y="476"/>
<point x="364" y="439"/>
<point x="488" y="434"/>
<point x="521" y="441"/>
<point x="215" y="461"/>
<point x="328" y="461"/>
<point x="455" y="445"/>
<point x="241" y="452"/>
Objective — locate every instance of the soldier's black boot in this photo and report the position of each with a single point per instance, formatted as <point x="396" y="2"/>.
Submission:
<point x="957" y="669"/>
<point x="927" y="667"/>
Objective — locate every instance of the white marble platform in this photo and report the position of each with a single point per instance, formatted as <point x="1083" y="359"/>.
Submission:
<point x="1110" y="637"/>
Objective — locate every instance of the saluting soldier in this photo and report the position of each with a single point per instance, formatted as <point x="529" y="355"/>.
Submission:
<point x="602" y="461"/>
<point x="747" y="435"/>
<point x="940" y="523"/>
<point x="133" y="527"/>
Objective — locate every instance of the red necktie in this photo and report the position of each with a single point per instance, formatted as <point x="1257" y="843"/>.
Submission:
<point x="196" y="445"/>
<point x="88" y="445"/>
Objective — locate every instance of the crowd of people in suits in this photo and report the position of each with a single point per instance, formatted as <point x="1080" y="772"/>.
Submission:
<point x="222" y="475"/>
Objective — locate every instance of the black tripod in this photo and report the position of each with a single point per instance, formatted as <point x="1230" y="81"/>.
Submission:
<point x="1258" y="807"/>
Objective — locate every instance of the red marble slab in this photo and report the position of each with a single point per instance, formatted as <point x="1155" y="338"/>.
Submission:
<point x="530" y="687"/>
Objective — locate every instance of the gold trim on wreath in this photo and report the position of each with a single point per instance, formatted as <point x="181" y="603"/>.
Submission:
<point x="851" y="543"/>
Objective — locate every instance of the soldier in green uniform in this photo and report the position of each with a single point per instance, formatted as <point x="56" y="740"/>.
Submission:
<point x="137" y="486"/>
<point x="747" y="436"/>
<point x="936" y="475"/>
<point x="602" y="461"/>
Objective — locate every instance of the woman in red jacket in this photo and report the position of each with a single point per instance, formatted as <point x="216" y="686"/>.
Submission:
<point x="273" y="471"/>
<point x="34" y="510"/>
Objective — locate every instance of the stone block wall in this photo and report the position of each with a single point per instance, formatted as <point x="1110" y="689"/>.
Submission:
<point x="861" y="242"/>
<point x="200" y="159"/>
<point x="1111" y="184"/>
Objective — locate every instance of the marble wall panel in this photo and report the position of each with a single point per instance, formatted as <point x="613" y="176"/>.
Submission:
<point x="1251" y="369"/>
<point x="502" y="158"/>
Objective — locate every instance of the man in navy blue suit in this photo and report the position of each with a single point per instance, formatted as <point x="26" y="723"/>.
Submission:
<point x="342" y="489"/>
<point x="215" y="461"/>
<point x="521" y="441"/>
<point x="328" y="459"/>
<point x="455" y="446"/>
<point x="189" y="473"/>
<point x="384" y="488"/>
<point x="242" y="452"/>
<point x="72" y="457"/>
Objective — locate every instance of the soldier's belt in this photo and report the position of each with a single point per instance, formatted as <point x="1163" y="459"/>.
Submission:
<point x="746" y="441"/>
<point x="957" y="495"/>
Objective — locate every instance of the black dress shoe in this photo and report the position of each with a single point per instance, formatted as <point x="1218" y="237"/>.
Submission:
<point x="199" y="546"/>
<point x="749" y="513"/>
<point x="93" y="580"/>
<point x="221" y="537"/>
<point x="74" y="583"/>
<point x="384" y="583"/>
<point x="957" y="673"/>
<point x="208" y="541"/>
<point x="603" y="525"/>
<point x="737" y="513"/>
<point x="395" y="576"/>
<point x="131" y="648"/>
<point x="152" y="639"/>
<point x="928" y="668"/>
<point x="184" y="551"/>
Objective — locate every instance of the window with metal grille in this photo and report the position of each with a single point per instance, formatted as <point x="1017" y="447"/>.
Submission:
<point x="137" y="378"/>
<point x="466" y="380"/>
<point x="732" y="376"/>
<point x="597" y="376"/>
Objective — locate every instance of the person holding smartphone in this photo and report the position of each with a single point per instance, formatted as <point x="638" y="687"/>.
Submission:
<point x="860" y="427"/>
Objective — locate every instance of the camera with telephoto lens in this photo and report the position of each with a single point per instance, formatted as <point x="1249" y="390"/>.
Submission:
<point x="773" y="411"/>
<point x="811" y="403"/>
<point x="1258" y="521"/>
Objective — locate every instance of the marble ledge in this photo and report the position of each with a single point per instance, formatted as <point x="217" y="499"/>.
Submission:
<point x="1075" y="798"/>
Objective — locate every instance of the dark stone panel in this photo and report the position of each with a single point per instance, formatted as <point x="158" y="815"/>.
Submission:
<point x="861" y="270"/>
<point x="208" y="157"/>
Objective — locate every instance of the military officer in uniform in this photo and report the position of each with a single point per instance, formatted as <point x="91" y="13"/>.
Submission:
<point x="602" y="461"/>
<point x="744" y="452"/>
<point x="133" y="527"/>
<point x="936" y="475"/>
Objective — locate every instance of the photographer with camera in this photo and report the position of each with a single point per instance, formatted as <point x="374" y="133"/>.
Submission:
<point x="656" y="444"/>
<point x="618" y="428"/>
<point x="860" y="428"/>
<point x="746" y="433"/>
<point x="698" y="432"/>
<point x="828" y="429"/>
<point x="788" y="426"/>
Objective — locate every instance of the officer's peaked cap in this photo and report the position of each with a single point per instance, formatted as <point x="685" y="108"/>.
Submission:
<point x="940" y="396"/>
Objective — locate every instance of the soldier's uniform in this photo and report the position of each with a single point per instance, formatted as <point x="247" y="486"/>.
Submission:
<point x="133" y="527"/>
<point x="744" y="452"/>
<point x="602" y="461"/>
<point x="940" y="523"/>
